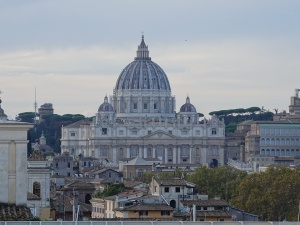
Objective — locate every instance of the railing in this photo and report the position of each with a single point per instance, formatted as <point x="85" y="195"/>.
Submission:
<point x="144" y="223"/>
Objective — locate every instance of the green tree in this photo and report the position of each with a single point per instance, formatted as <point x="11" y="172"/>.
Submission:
<point x="109" y="190"/>
<point x="273" y="195"/>
<point x="26" y="117"/>
<point x="220" y="181"/>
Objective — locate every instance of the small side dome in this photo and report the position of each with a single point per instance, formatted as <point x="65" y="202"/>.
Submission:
<point x="188" y="107"/>
<point x="105" y="107"/>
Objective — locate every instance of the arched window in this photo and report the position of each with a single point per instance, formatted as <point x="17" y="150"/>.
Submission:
<point x="149" y="152"/>
<point x="287" y="152"/>
<point x="133" y="151"/>
<point x="272" y="141"/>
<point x="36" y="188"/>
<point x="262" y="152"/>
<point x="292" y="141"/>
<point x="87" y="199"/>
<point x="268" y="152"/>
<point x="268" y="141"/>
<point x="272" y="152"/>
<point x="292" y="152"/>
<point x="277" y="152"/>
<point x="282" y="152"/>
<point x="287" y="141"/>
<point x="173" y="204"/>
<point x="159" y="151"/>
<point x="277" y="141"/>
<point x="263" y="142"/>
<point x="140" y="173"/>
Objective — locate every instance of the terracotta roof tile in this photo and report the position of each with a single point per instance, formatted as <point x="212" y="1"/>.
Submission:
<point x="149" y="207"/>
<point x="14" y="213"/>
<point x="214" y="214"/>
<point x="204" y="203"/>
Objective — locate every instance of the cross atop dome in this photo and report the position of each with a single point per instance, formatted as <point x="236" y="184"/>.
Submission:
<point x="142" y="53"/>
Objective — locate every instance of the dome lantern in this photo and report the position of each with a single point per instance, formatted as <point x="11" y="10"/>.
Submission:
<point x="142" y="52"/>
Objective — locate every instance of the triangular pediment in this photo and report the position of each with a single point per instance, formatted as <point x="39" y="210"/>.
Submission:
<point x="160" y="135"/>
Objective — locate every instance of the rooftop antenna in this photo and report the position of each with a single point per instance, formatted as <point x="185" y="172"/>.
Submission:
<point x="35" y="108"/>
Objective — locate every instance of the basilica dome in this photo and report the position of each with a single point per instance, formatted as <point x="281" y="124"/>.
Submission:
<point x="143" y="73"/>
<point x="105" y="106"/>
<point x="188" y="107"/>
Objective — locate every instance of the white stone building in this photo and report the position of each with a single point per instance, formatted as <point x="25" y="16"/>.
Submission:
<point x="141" y="120"/>
<point x="13" y="160"/>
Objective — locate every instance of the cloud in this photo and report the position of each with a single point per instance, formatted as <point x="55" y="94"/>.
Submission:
<point x="216" y="75"/>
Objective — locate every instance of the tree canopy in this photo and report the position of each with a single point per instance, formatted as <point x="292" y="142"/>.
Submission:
<point x="273" y="195"/>
<point x="50" y="125"/>
<point x="220" y="181"/>
<point x="109" y="190"/>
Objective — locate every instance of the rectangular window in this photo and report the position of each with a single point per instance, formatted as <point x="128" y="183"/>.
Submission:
<point x="197" y="132"/>
<point x="164" y="213"/>
<point x="149" y="132"/>
<point x="134" y="132"/>
<point x="69" y="164"/>
<point x="184" y="132"/>
<point x="104" y="131"/>
<point x="121" y="132"/>
<point x="145" y="106"/>
<point x="214" y="131"/>
<point x="154" y="106"/>
<point x="214" y="152"/>
<point x="72" y="134"/>
<point x="177" y="189"/>
<point x="104" y="152"/>
<point x="134" y="105"/>
<point x="167" y="189"/>
<point x="170" y="132"/>
<point x="143" y="213"/>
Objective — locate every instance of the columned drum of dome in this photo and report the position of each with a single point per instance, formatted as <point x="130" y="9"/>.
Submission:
<point x="143" y="89"/>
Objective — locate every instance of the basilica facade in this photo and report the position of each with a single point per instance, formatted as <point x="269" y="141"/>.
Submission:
<point x="139" y="119"/>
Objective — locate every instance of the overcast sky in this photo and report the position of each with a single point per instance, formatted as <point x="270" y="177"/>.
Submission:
<point x="224" y="54"/>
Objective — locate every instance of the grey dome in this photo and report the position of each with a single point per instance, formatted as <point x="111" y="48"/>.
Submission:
<point x="105" y="107"/>
<point x="188" y="107"/>
<point x="142" y="73"/>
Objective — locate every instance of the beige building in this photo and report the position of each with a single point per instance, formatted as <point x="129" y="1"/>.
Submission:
<point x="146" y="211"/>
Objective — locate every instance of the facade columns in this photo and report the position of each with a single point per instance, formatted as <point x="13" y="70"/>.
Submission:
<point x="174" y="155"/>
<point x="153" y="152"/>
<point x="140" y="153"/>
<point x="178" y="154"/>
<point x="145" y="152"/>
<point x="204" y="154"/>
<point x="166" y="154"/>
<point x="128" y="152"/>
<point x="114" y="152"/>
<point x="191" y="153"/>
